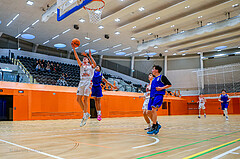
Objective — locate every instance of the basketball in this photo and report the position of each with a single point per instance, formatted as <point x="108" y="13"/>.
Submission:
<point x="76" y="42"/>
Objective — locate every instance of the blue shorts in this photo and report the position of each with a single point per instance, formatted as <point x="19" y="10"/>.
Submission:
<point x="155" y="102"/>
<point x="224" y="105"/>
<point x="96" y="91"/>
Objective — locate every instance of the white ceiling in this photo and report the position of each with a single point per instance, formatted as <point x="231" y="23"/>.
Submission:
<point x="171" y="12"/>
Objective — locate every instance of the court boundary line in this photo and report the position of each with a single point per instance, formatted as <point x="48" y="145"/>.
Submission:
<point x="186" y="145"/>
<point x="33" y="150"/>
<point x="211" y="149"/>
<point x="225" y="153"/>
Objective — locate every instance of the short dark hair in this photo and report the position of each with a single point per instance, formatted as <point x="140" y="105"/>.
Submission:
<point x="151" y="74"/>
<point x="157" y="67"/>
<point x="224" y="90"/>
<point x="99" y="67"/>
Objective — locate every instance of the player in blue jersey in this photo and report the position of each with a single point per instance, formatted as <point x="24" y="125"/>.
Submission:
<point x="158" y="87"/>
<point x="97" y="89"/>
<point x="224" y="99"/>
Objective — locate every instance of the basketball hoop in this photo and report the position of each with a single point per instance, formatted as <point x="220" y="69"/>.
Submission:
<point x="95" y="10"/>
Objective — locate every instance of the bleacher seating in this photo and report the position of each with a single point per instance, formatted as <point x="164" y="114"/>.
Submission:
<point x="50" y="78"/>
<point x="5" y="59"/>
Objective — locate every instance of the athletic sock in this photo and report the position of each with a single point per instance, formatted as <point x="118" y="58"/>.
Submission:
<point x="99" y="112"/>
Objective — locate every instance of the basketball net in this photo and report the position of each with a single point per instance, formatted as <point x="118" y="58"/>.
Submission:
<point x="94" y="10"/>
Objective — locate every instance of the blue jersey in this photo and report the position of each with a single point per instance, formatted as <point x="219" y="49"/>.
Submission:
<point x="97" y="78"/>
<point x="224" y="98"/>
<point x="157" y="82"/>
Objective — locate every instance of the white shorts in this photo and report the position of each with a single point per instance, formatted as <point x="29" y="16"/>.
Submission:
<point x="145" y="104"/>
<point x="84" y="88"/>
<point x="201" y="106"/>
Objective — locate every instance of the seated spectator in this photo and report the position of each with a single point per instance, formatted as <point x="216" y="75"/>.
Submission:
<point x="66" y="77"/>
<point x="61" y="82"/>
<point x="43" y="62"/>
<point x="57" y="68"/>
<point x="38" y="67"/>
<point x="51" y="67"/>
<point x="63" y="76"/>
<point x="36" y="63"/>
<point x="48" y="67"/>
<point x="42" y="68"/>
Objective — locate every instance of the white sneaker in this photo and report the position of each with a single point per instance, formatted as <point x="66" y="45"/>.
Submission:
<point x="84" y="119"/>
<point x="226" y="118"/>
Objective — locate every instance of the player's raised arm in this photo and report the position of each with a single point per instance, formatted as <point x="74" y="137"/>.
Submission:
<point x="93" y="61"/>
<point x="76" y="55"/>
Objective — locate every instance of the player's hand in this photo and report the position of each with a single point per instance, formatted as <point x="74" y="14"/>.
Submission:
<point x="159" y="88"/>
<point x="72" y="45"/>
<point x="221" y="101"/>
<point x="84" y="54"/>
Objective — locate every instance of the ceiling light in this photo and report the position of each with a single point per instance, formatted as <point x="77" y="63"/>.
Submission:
<point x="199" y="17"/>
<point x="209" y="23"/>
<point x="120" y="53"/>
<point x="141" y="9"/>
<point x="66" y="31"/>
<point x="172" y="26"/>
<point x="100" y="27"/>
<point x="105" y="49"/>
<point x="182" y="31"/>
<point x="117" y="45"/>
<point x="97" y="39"/>
<point x="155" y="47"/>
<point x="235" y="5"/>
<point x="132" y="38"/>
<point x="85" y="44"/>
<point x="82" y="20"/>
<point x="128" y="54"/>
<point x="92" y="51"/>
<point x="27" y="36"/>
<point x="142" y="54"/>
<point x="117" y="51"/>
<point x="183" y="51"/>
<point x="126" y="48"/>
<point x="46" y="42"/>
<point x="17" y="36"/>
<point x="134" y="27"/>
<point x="219" y="50"/>
<point x="136" y="52"/>
<point x="12" y="20"/>
<point x="87" y="38"/>
<point x="175" y="54"/>
<point x="55" y="37"/>
<point x="30" y="3"/>
<point x="26" y="29"/>
<point x="166" y="51"/>
<point x="199" y="53"/>
<point x="220" y="47"/>
<point x="151" y="54"/>
<point x="117" y="32"/>
<point x="183" y="54"/>
<point x="237" y="52"/>
<point x="157" y="18"/>
<point x="35" y="22"/>
<point x="150" y="33"/>
<point x="187" y="7"/>
<point x="117" y="20"/>
<point x="0" y="22"/>
<point x="59" y="45"/>
<point x="219" y="55"/>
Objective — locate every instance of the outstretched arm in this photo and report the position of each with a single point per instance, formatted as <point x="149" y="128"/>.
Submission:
<point x="76" y="55"/>
<point x="93" y="61"/>
<point x="104" y="80"/>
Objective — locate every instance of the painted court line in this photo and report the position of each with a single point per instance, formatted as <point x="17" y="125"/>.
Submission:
<point x="186" y="145"/>
<point x="230" y="151"/>
<point x="43" y="153"/>
<point x="211" y="149"/>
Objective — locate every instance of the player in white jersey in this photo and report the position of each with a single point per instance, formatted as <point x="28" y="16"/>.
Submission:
<point x="146" y="114"/>
<point x="201" y="102"/>
<point x="84" y="87"/>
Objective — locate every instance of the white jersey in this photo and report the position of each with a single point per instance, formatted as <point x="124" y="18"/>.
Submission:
<point x="147" y="94"/>
<point x="86" y="72"/>
<point x="201" y="100"/>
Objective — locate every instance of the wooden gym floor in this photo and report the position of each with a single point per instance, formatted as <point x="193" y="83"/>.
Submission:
<point x="180" y="137"/>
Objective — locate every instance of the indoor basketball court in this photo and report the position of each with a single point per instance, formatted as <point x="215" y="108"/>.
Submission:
<point x="107" y="79"/>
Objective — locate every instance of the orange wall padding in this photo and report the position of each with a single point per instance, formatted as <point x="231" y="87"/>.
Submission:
<point x="43" y="102"/>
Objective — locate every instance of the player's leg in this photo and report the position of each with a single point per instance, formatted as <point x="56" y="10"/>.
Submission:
<point x="98" y="108"/>
<point x="226" y="111"/>
<point x="149" y="113"/>
<point x="145" y="115"/>
<point x="79" y="100"/>
<point x="204" y="111"/>
<point x="199" y="112"/>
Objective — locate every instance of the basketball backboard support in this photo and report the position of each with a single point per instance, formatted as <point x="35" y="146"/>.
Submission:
<point x="68" y="7"/>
